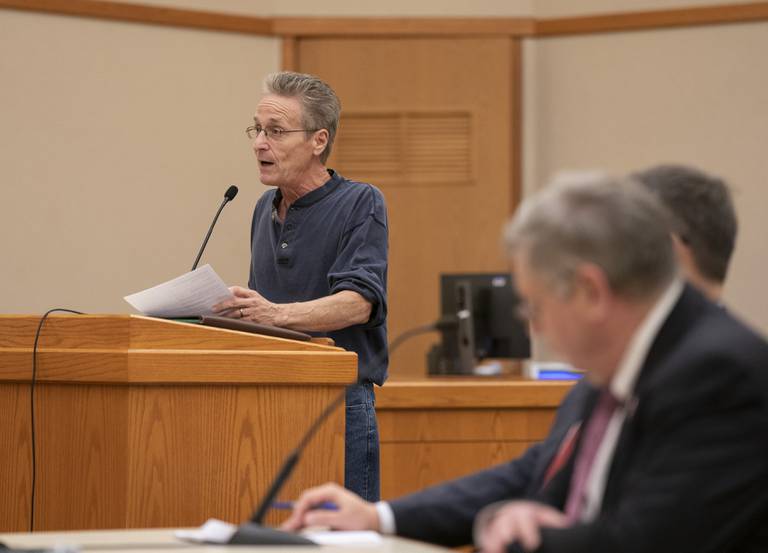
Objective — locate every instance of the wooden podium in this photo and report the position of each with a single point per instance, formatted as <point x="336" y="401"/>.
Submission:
<point x="143" y="422"/>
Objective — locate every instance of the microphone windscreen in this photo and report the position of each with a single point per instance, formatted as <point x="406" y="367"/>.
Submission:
<point x="231" y="193"/>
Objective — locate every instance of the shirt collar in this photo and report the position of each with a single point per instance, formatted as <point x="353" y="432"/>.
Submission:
<point x="334" y="179"/>
<point x="623" y="382"/>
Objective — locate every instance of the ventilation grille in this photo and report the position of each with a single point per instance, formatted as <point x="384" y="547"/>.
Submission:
<point x="406" y="149"/>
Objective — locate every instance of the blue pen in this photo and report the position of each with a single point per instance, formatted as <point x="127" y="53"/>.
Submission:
<point x="327" y="505"/>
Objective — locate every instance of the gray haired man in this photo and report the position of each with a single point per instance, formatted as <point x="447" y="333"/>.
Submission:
<point x="673" y="375"/>
<point x="319" y="251"/>
<point x="670" y="456"/>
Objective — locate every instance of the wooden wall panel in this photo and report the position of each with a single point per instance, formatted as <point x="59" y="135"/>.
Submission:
<point x="441" y="227"/>
<point x="15" y="457"/>
<point x="126" y="443"/>
<point x="409" y="467"/>
<point x="81" y="442"/>
<point x="455" y="430"/>
<point x="465" y="425"/>
<point x="400" y="148"/>
<point x="155" y="456"/>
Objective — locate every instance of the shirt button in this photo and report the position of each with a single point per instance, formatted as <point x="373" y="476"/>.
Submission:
<point x="284" y="245"/>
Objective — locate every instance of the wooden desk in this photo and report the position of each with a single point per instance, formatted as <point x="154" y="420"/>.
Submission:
<point x="162" y="540"/>
<point x="435" y="429"/>
<point x="147" y="423"/>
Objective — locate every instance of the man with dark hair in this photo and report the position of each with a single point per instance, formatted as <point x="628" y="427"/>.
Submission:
<point x="703" y="221"/>
<point x="319" y="252"/>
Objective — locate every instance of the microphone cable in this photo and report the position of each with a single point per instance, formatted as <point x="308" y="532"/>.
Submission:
<point x="32" y="408"/>
<point x="443" y="323"/>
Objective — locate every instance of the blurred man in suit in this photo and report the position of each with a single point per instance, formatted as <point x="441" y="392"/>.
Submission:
<point x="442" y="513"/>
<point x="681" y="395"/>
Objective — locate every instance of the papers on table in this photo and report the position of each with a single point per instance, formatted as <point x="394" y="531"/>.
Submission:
<point x="213" y="531"/>
<point x="218" y="531"/>
<point x="189" y="295"/>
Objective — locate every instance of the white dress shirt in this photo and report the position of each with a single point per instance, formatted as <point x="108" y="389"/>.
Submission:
<point x="622" y="388"/>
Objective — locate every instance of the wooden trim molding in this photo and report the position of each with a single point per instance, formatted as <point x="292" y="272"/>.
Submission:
<point x="296" y="27"/>
<point x="135" y="13"/>
<point x="473" y="393"/>
<point x="402" y="26"/>
<point x="516" y="128"/>
<point x="279" y="26"/>
<point x="657" y="19"/>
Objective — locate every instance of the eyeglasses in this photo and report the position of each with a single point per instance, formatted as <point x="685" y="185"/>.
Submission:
<point x="271" y="133"/>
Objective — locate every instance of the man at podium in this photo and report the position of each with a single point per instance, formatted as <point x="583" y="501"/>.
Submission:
<point x="319" y="252"/>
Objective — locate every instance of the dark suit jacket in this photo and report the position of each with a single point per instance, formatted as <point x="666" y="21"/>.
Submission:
<point x="444" y="514"/>
<point x="690" y="470"/>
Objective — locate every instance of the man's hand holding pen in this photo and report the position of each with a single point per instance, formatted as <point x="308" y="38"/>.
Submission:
<point x="351" y="512"/>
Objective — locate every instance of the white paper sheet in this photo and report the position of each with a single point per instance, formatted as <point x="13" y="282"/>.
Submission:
<point x="189" y="295"/>
<point x="213" y="531"/>
<point x="217" y="531"/>
<point x="351" y="538"/>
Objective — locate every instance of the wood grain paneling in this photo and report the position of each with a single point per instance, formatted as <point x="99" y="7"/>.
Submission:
<point x="15" y="457"/>
<point x="410" y="467"/>
<point x="465" y="425"/>
<point x="516" y="127"/>
<point x="289" y="54"/>
<point x="489" y="393"/>
<point x="81" y="457"/>
<point x="134" y="331"/>
<point x="440" y="227"/>
<point x="433" y="430"/>
<point x="18" y="331"/>
<point x="411" y="149"/>
<point x="402" y="26"/>
<point x="176" y="366"/>
<point x="145" y="438"/>
<point x="130" y="457"/>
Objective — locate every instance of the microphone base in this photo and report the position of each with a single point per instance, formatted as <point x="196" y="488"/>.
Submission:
<point x="251" y="533"/>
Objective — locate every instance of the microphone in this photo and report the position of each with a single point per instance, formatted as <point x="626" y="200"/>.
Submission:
<point x="252" y="532"/>
<point x="229" y="195"/>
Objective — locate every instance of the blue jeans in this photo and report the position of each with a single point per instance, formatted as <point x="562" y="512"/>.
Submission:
<point x="361" y="451"/>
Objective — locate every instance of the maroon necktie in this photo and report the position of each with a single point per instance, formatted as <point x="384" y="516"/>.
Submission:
<point x="591" y="440"/>
<point x="564" y="453"/>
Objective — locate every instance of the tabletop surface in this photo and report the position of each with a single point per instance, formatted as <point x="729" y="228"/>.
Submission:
<point x="162" y="540"/>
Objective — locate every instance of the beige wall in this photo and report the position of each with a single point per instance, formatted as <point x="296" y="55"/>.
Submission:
<point x="623" y="101"/>
<point x="118" y="142"/>
<point x="119" y="139"/>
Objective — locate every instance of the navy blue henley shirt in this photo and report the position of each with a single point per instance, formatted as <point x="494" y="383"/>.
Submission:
<point x="333" y="238"/>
